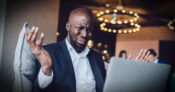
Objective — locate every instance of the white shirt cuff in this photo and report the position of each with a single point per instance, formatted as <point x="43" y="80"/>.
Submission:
<point x="44" y="80"/>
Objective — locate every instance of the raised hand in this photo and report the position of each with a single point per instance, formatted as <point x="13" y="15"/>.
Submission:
<point x="129" y="56"/>
<point x="40" y="53"/>
<point x="143" y="55"/>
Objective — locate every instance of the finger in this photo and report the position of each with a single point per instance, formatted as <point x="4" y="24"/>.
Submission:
<point x="31" y="33"/>
<point x="27" y="39"/>
<point x="40" y="41"/>
<point x="35" y="34"/>
<point x="138" y="56"/>
<point x="129" y="56"/>
<point x="146" y="56"/>
<point x="143" y="55"/>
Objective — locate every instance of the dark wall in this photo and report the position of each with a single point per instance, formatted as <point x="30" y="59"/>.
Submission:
<point x="167" y="52"/>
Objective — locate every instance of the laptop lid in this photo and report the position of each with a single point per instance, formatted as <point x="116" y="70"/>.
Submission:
<point x="132" y="76"/>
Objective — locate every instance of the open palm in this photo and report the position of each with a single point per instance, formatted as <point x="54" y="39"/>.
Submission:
<point x="40" y="53"/>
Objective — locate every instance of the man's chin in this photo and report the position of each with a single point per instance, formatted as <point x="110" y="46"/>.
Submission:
<point x="81" y="45"/>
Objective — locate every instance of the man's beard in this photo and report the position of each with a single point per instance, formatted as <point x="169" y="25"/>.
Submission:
<point x="75" y="45"/>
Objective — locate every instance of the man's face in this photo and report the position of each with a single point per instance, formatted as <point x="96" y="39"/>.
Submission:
<point x="151" y="58"/>
<point x="124" y="55"/>
<point x="79" y="31"/>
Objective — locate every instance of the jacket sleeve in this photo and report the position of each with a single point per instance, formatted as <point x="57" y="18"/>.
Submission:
<point x="48" y="87"/>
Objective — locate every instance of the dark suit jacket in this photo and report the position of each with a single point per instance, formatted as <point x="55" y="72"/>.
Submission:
<point x="64" y="76"/>
<point x="162" y="62"/>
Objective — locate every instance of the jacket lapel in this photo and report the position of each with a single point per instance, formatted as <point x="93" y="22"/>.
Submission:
<point x="96" y="72"/>
<point x="69" y="64"/>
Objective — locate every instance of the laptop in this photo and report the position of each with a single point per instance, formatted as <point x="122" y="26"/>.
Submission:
<point x="133" y="76"/>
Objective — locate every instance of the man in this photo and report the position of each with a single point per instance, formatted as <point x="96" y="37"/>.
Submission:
<point x="69" y="65"/>
<point x="153" y="58"/>
<point x="123" y="54"/>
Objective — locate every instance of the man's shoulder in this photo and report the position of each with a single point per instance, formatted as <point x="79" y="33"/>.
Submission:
<point x="95" y="53"/>
<point x="162" y="62"/>
<point x="56" y="45"/>
<point x="50" y="45"/>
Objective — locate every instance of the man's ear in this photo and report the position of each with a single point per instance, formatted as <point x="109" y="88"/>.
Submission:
<point x="67" y="26"/>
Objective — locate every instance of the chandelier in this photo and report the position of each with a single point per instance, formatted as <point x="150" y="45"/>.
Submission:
<point x="118" y="20"/>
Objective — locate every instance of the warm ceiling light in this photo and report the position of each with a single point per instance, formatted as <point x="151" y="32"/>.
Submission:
<point x="113" y="22"/>
<point x="115" y="10"/>
<point x="109" y="30"/>
<point x="119" y="7"/>
<point x="119" y="22"/>
<point x="105" y="29"/>
<point x="125" y="21"/>
<point x="98" y="14"/>
<point x="105" y="51"/>
<point x="90" y="44"/>
<point x="171" y="25"/>
<point x="101" y="12"/>
<point x="134" y="30"/>
<point x="130" y="12"/>
<point x="123" y="11"/>
<point x="107" y="5"/>
<point x="99" y="44"/>
<point x="119" y="31"/>
<point x="57" y="33"/>
<point x="114" y="31"/>
<point x="107" y="11"/>
<point x="131" y="20"/>
<point x="130" y="31"/>
<point x="132" y="24"/>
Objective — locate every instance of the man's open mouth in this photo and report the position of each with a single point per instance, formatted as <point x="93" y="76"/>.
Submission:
<point x="82" y="42"/>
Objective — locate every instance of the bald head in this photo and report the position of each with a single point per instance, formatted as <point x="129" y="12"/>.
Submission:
<point x="81" y="12"/>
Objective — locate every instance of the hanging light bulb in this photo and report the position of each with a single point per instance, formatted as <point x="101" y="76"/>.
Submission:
<point x="114" y="31"/>
<point x="107" y="5"/>
<point x="107" y="11"/>
<point x="109" y="30"/>
<point x="57" y="33"/>
<point x="90" y="44"/>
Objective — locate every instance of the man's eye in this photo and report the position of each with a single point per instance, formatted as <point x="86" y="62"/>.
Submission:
<point x="81" y="28"/>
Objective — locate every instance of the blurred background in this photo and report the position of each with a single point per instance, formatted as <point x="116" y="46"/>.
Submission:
<point x="129" y="25"/>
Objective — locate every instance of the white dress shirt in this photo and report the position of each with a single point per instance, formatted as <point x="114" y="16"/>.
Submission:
<point x="83" y="74"/>
<point x="155" y="61"/>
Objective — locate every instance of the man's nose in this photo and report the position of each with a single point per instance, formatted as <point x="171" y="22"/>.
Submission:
<point x="84" y="33"/>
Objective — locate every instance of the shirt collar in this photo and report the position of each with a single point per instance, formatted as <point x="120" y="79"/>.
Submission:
<point x="156" y="61"/>
<point x="82" y="54"/>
